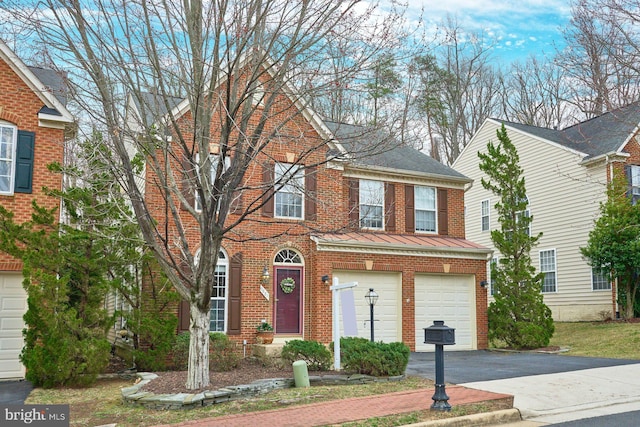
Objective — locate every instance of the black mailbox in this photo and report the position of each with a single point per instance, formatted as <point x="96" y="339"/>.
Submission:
<point x="439" y="333"/>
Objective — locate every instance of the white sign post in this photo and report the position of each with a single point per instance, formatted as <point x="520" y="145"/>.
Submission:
<point x="336" y="318"/>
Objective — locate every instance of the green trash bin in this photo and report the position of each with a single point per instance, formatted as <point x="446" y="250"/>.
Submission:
<point x="300" y="373"/>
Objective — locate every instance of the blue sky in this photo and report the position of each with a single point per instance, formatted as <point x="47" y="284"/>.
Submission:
<point x="521" y="27"/>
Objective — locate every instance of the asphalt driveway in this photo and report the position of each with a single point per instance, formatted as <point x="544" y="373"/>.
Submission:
<point x="483" y="365"/>
<point x="14" y="392"/>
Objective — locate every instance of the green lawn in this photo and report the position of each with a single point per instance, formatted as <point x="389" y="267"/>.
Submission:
<point x="620" y="340"/>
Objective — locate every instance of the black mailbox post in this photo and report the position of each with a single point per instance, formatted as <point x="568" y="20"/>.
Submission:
<point x="440" y="335"/>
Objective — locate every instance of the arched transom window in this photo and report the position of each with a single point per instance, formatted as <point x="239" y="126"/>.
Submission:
<point x="287" y="256"/>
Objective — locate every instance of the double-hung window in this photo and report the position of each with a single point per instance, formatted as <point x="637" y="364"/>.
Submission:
<point x="484" y="215"/>
<point x="371" y="204"/>
<point x="600" y="281"/>
<point x="218" y="309"/>
<point x="425" y="208"/>
<point x="548" y="268"/>
<point x="8" y="135"/>
<point x="213" y="160"/>
<point x="289" y="197"/>
<point x="634" y="182"/>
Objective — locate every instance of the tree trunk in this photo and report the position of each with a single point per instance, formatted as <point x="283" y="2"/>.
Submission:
<point x="631" y="300"/>
<point x="198" y="375"/>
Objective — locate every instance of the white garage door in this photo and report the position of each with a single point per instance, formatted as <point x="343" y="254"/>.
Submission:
<point x="13" y="305"/>
<point x="387" y="313"/>
<point x="448" y="298"/>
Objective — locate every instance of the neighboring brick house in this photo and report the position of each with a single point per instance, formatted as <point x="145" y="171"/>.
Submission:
<point x="33" y="122"/>
<point x="393" y="221"/>
<point x="566" y="172"/>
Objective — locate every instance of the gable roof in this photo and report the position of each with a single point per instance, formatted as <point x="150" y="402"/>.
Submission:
<point x="601" y="135"/>
<point x="384" y="151"/>
<point x="53" y="113"/>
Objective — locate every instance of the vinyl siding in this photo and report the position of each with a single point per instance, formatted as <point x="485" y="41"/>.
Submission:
<point x="564" y="199"/>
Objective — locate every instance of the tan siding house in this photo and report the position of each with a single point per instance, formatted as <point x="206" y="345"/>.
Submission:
<point x="566" y="172"/>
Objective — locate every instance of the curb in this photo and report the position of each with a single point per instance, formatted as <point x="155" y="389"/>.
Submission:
<point x="485" y="419"/>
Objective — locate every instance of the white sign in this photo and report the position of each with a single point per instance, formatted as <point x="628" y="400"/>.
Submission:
<point x="336" y="318"/>
<point x="264" y="292"/>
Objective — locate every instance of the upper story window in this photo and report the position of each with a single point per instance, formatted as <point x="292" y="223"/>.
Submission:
<point x="213" y="159"/>
<point x="8" y="135"/>
<point x="425" y="208"/>
<point x="525" y="213"/>
<point x="633" y="175"/>
<point x="548" y="268"/>
<point x="371" y="204"/>
<point x="484" y="215"/>
<point x="290" y="194"/>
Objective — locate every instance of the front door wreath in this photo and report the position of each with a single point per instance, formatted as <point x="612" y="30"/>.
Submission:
<point x="288" y="285"/>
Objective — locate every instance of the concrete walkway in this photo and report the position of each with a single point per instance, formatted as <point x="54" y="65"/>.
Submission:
<point x="346" y="410"/>
<point x="568" y="396"/>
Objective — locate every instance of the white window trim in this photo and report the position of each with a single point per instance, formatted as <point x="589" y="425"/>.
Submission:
<point x="296" y="172"/>
<point x="635" y="180"/>
<point x="488" y="214"/>
<point x="555" y="270"/>
<point x="434" y="210"/>
<point x="221" y="262"/>
<point x="593" y="273"/>
<point x="14" y="148"/>
<point x="371" y="202"/>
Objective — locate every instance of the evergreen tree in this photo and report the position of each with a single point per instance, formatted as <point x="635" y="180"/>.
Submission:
<point x="518" y="315"/>
<point x="614" y="243"/>
<point x="70" y="267"/>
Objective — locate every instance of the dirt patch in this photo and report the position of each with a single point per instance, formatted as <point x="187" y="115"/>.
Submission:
<point x="249" y="370"/>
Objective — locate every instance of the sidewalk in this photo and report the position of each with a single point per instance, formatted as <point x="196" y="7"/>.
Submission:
<point x="346" y="410"/>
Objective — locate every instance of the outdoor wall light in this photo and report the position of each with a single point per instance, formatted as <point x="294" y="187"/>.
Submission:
<point x="325" y="279"/>
<point x="265" y="276"/>
<point x="483" y="284"/>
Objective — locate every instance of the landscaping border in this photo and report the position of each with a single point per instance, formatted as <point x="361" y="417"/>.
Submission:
<point x="134" y="396"/>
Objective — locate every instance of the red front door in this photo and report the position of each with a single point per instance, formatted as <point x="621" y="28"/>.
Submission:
<point x="288" y="301"/>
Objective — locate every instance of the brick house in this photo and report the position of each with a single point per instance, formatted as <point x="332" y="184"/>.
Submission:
<point x="33" y="124"/>
<point x="566" y="172"/>
<point x="392" y="221"/>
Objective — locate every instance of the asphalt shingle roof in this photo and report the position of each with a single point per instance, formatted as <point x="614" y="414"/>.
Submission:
<point x="601" y="135"/>
<point x="374" y="148"/>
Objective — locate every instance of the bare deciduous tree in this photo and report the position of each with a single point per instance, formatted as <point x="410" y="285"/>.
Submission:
<point x="203" y="74"/>
<point x="600" y="60"/>
<point x="534" y="93"/>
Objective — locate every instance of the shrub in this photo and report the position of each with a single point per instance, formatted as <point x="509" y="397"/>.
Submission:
<point x="180" y="352"/>
<point x="62" y="346"/>
<point x="160" y="332"/>
<point x="373" y="358"/>
<point x="222" y="353"/>
<point x="317" y="356"/>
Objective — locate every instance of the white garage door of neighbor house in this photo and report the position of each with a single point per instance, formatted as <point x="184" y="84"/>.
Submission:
<point x="13" y="305"/>
<point x="448" y="298"/>
<point x="387" y="312"/>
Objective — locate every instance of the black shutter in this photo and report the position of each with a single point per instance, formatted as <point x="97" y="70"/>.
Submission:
<point x="443" y="212"/>
<point x="310" y="183"/>
<point x="268" y="175"/>
<point x="390" y="206"/>
<point x="354" y="203"/>
<point x="235" y="296"/>
<point x="24" y="162"/>
<point x="409" y="209"/>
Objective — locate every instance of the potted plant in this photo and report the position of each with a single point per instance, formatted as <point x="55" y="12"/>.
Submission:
<point x="264" y="333"/>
